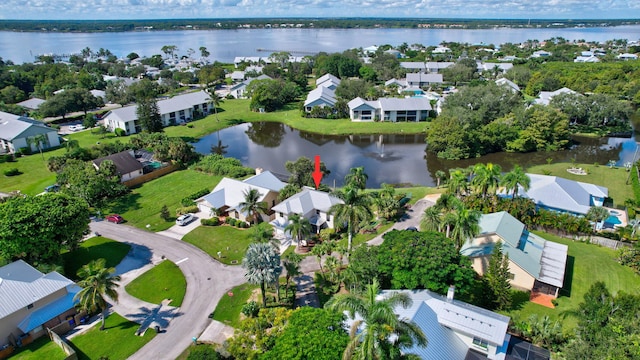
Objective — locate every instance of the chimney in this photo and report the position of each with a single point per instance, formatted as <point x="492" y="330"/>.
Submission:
<point x="450" y="293"/>
<point x="259" y="171"/>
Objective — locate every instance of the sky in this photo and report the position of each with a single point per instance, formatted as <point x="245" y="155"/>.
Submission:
<point x="169" y="9"/>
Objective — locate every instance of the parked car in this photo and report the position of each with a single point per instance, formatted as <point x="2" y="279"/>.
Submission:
<point x="52" y="188"/>
<point x="115" y="218"/>
<point x="76" y="127"/>
<point x="183" y="220"/>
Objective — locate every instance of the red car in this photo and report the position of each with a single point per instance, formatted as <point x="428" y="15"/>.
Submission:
<point x="115" y="218"/>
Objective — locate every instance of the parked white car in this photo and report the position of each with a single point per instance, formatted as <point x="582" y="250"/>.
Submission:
<point x="183" y="220"/>
<point x="76" y="127"/>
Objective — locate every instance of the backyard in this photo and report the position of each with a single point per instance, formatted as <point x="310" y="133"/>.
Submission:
<point x="230" y="241"/>
<point x="163" y="281"/>
<point x="42" y="348"/>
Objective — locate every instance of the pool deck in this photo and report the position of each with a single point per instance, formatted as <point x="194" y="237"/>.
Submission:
<point x="620" y="214"/>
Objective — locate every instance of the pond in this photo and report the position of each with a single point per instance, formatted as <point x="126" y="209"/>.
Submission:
<point x="391" y="159"/>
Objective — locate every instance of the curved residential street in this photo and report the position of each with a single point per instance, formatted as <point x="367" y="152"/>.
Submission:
<point x="207" y="280"/>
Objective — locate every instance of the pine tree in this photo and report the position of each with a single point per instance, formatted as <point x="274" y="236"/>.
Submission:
<point x="497" y="278"/>
<point x="149" y="115"/>
<point x="164" y="213"/>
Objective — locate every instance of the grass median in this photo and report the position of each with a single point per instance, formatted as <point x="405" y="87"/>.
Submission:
<point x="163" y="281"/>
<point x="231" y="242"/>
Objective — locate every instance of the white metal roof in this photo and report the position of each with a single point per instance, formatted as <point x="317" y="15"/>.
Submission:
<point x="32" y="103"/>
<point x="562" y="194"/>
<point x="323" y="93"/>
<point x="307" y="200"/>
<point x="11" y="126"/>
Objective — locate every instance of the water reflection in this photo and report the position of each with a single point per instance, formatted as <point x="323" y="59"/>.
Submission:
<point x="391" y="159"/>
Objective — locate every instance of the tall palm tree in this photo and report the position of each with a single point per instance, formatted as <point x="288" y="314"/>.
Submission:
<point x="291" y="264"/>
<point x="298" y="226"/>
<point x="458" y="183"/>
<point x="486" y="179"/>
<point x="215" y="101"/>
<point x="431" y="219"/>
<point x="514" y="178"/>
<point x="379" y="330"/>
<point x="252" y="205"/>
<point x="355" y="211"/>
<point x="465" y="225"/>
<point x="39" y="141"/>
<point x="357" y="178"/>
<point x="71" y="144"/>
<point x="97" y="282"/>
<point x="597" y="214"/>
<point x="263" y="266"/>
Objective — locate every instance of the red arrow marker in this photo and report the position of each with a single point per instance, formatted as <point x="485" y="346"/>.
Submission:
<point x="317" y="174"/>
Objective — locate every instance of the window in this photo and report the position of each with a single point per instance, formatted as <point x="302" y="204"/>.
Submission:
<point x="481" y="343"/>
<point x="512" y="276"/>
<point x="30" y="306"/>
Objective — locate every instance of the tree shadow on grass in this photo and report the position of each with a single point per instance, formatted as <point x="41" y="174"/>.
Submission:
<point x="568" y="277"/>
<point x="519" y="299"/>
<point x="125" y="203"/>
<point x="137" y="257"/>
<point x="112" y="252"/>
<point x="156" y="316"/>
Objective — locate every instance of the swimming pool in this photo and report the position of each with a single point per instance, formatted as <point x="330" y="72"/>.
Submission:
<point x="613" y="220"/>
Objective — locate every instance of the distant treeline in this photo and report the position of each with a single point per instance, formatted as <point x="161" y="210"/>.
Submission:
<point x="345" y="23"/>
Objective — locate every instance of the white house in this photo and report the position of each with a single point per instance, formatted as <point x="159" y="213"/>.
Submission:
<point x="178" y="109"/>
<point x="540" y="54"/>
<point x="238" y="90"/>
<point x="226" y="197"/>
<point x="15" y="132"/>
<point x="320" y="96"/>
<point x="441" y="50"/>
<point x="329" y="81"/>
<point x="508" y="83"/>
<point x="545" y="96"/>
<point x="422" y="79"/>
<point x="627" y="56"/>
<point x="311" y="204"/>
<point x="390" y="109"/>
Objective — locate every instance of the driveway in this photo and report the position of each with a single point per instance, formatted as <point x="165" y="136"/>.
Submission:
<point x="412" y="217"/>
<point x="178" y="232"/>
<point x="207" y="280"/>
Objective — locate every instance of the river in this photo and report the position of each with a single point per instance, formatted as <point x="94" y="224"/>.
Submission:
<point x="391" y="159"/>
<point x="225" y="45"/>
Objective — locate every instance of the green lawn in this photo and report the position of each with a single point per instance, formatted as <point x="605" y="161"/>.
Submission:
<point x="42" y="348"/>
<point x="614" y="179"/>
<point x="163" y="281"/>
<point x="362" y="238"/>
<point x="586" y="264"/>
<point x="229" y="307"/>
<point x="91" y="249"/>
<point x="141" y="207"/>
<point x="117" y="342"/>
<point x="212" y="239"/>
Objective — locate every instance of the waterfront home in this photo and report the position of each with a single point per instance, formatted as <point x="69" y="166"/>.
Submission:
<point x="321" y="97"/>
<point x="390" y="109"/>
<point x="441" y="50"/>
<point x="535" y="264"/>
<point x="32" y="301"/>
<point x="313" y="205"/>
<point x="545" y="96"/>
<point x="238" y="90"/>
<point x="226" y="197"/>
<point x="175" y="110"/>
<point x="127" y="166"/>
<point x="17" y="132"/>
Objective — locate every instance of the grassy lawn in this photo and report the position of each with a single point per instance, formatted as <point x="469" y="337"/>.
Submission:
<point x="117" y="342"/>
<point x="163" y="281"/>
<point x="94" y="248"/>
<point x="362" y="238"/>
<point x="586" y="264"/>
<point x="228" y="309"/>
<point x="42" y="348"/>
<point x="614" y="179"/>
<point x="212" y="239"/>
<point x="142" y="205"/>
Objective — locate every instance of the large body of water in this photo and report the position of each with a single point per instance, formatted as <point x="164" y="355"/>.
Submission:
<point x="225" y="45"/>
<point x="391" y="159"/>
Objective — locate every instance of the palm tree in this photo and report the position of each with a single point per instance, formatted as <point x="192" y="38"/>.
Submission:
<point x="71" y="144"/>
<point x="39" y="141"/>
<point x="597" y="214"/>
<point x="354" y="212"/>
<point x="215" y="102"/>
<point x="486" y="179"/>
<point x="97" y="282"/>
<point x="440" y="177"/>
<point x="357" y="178"/>
<point x="513" y="179"/>
<point x="298" y="226"/>
<point x="292" y="264"/>
<point x="372" y="334"/>
<point x="263" y="266"/>
<point x="252" y="205"/>
<point x="458" y="183"/>
<point x="465" y="225"/>
<point x="431" y="219"/>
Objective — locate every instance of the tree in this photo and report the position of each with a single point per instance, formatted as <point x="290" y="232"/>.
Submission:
<point x="89" y="121"/>
<point x="515" y="178"/>
<point x="597" y="214"/>
<point x="164" y="213"/>
<point x="497" y="278"/>
<point x="263" y="266"/>
<point x="356" y="178"/>
<point x="441" y="177"/>
<point x="38" y="228"/>
<point x="301" y="171"/>
<point x="82" y="180"/>
<point x="378" y="329"/>
<point x="431" y="219"/>
<point x="271" y="94"/>
<point x="149" y="115"/>
<point x="354" y="212"/>
<point x="169" y="50"/>
<point x="486" y="178"/>
<point x="291" y="264"/>
<point x="299" y="226"/>
<point x="252" y="205"/>
<point x="39" y="141"/>
<point x="97" y="282"/>
<point x="203" y="52"/>
<point x="465" y="225"/>
<point x="458" y="183"/>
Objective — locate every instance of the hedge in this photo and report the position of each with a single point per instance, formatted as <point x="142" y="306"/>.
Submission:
<point x="188" y="201"/>
<point x="214" y="221"/>
<point x="187" y="210"/>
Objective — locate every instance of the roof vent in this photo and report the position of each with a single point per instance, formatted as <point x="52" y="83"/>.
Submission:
<point x="450" y="293"/>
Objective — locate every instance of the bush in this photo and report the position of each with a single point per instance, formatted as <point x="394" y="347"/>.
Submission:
<point x="188" y="201"/>
<point x="12" y="172"/>
<point x="231" y="221"/>
<point x="24" y="151"/>
<point x="120" y="132"/>
<point x="186" y="210"/>
<point x="242" y="224"/>
<point x="203" y="352"/>
<point x="250" y="309"/>
<point x="219" y="165"/>
<point x="164" y="213"/>
<point x="214" y="221"/>
<point x="6" y="158"/>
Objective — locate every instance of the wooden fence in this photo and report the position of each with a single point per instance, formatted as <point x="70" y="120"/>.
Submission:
<point x="152" y="175"/>
<point x="71" y="354"/>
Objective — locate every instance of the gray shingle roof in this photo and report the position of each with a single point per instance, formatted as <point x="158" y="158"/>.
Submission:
<point x="322" y="94"/>
<point x="399" y="104"/>
<point x="424" y="78"/>
<point x="230" y="192"/>
<point x="174" y="104"/>
<point x="21" y="285"/>
<point x="327" y="77"/>
<point x="124" y="162"/>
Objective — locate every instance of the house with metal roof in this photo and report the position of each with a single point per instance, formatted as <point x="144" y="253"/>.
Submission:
<point x="175" y="110"/>
<point x="31" y="301"/>
<point x="390" y="109"/>
<point x="509" y="84"/>
<point x="238" y="90"/>
<point x="535" y="264"/>
<point x="422" y="79"/>
<point x="322" y="97"/>
<point x="311" y="204"/>
<point x="31" y="104"/>
<point x="544" y="98"/>
<point x="226" y="197"/>
<point x="563" y="195"/>
<point x="127" y="166"/>
<point x="329" y="81"/>
<point x="17" y="131"/>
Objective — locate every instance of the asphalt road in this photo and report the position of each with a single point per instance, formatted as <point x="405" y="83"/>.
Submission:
<point x="207" y="281"/>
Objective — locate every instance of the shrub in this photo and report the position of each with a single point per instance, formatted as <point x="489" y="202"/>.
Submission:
<point x="120" y="132"/>
<point x="24" y="151"/>
<point x="214" y="221"/>
<point x="203" y="352"/>
<point x="188" y="200"/>
<point x="164" y="213"/>
<point x="186" y="210"/>
<point x="231" y="221"/>
<point x="242" y="224"/>
<point x="12" y="172"/>
<point x="250" y="309"/>
<point x="219" y="165"/>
